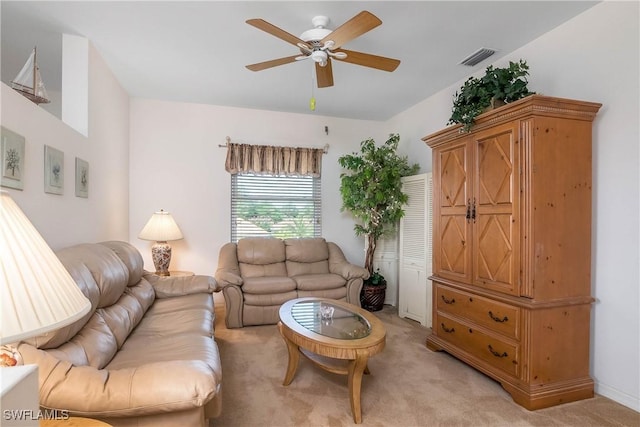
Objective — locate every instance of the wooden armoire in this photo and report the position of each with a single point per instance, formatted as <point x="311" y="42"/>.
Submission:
<point x="512" y="247"/>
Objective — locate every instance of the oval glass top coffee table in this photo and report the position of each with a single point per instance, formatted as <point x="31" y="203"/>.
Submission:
<point x="334" y="335"/>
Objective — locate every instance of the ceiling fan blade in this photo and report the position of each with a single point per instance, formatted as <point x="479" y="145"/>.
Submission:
<point x="273" y="63"/>
<point x="324" y="75"/>
<point x="263" y="25"/>
<point x="356" y="26"/>
<point x="369" y="60"/>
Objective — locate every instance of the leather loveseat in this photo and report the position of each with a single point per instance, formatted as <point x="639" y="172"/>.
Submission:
<point x="257" y="275"/>
<point x="144" y="355"/>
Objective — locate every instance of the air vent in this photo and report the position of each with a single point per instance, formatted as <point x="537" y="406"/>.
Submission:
<point x="477" y="56"/>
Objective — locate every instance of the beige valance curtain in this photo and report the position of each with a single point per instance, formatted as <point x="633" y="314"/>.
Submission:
<point x="265" y="159"/>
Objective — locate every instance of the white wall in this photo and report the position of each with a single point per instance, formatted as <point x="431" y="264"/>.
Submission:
<point x="65" y="220"/>
<point x="594" y="57"/>
<point x="176" y="165"/>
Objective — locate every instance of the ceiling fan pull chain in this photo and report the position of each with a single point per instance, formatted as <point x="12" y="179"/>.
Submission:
<point x="312" y="101"/>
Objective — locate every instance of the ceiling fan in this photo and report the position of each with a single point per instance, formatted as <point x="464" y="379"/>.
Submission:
<point x="322" y="45"/>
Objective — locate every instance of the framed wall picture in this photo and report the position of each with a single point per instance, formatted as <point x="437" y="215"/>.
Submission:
<point x="53" y="170"/>
<point x="12" y="158"/>
<point x="82" y="178"/>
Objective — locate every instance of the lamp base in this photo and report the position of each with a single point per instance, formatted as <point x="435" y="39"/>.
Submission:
<point x="161" y="254"/>
<point x="9" y="356"/>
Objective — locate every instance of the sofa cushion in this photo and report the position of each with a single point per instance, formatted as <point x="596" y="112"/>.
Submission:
<point x="89" y="288"/>
<point x="188" y="314"/>
<point x="95" y="345"/>
<point x="178" y="328"/>
<point x="263" y="270"/>
<point x="313" y="282"/>
<point x="268" y="285"/>
<point x="267" y="300"/>
<point x="307" y="250"/>
<point x="131" y="258"/>
<point x="109" y="272"/>
<point x="301" y="268"/>
<point x="127" y="313"/>
<point x="260" y="251"/>
<point x="103" y="278"/>
<point x="337" y="293"/>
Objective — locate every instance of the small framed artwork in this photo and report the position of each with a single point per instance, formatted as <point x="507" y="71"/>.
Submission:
<point x="82" y="178"/>
<point x="53" y="170"/>
<point x="12" y="157"/>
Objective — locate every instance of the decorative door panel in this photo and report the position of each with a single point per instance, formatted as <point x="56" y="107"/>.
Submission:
<point x="494" y="260"/>
<point x="495" y="210"/>
<point x="452" y="228"/>
<point x="495" y="163"/>
<point x="453" y="177"/>
<point x="455" y="247"/>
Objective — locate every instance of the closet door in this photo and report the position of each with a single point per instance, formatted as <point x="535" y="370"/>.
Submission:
<point x="415" y="250"/>
<point x="386" y="259"/>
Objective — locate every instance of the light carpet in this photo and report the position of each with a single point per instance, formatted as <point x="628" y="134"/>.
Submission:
<point x="409" y="385"/>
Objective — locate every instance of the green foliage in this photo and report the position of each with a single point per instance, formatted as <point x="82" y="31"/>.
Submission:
<point x="376" y="279"/>
<point x="498" y="84"/>
<point x="371" y="189"/>
<point x="279" y="221"/>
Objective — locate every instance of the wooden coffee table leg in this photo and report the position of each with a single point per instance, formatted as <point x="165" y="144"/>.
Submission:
<point x="294" y="357"/>
<point x="356" y="369"/>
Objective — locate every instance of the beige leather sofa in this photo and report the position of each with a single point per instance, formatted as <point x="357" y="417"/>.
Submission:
<point x="145" y="353"/>
<point x="258" y="275"/>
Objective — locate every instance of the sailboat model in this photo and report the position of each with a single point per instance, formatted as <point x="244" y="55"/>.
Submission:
<point x="29" y="82"/>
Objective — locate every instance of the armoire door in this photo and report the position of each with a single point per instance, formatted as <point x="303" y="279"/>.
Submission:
<point x="452" y="215"/>
<point x="495" y="209"/>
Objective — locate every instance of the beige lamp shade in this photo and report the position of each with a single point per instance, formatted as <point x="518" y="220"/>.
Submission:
<point x="37" y="294"/>
<point x="161" y="228"/>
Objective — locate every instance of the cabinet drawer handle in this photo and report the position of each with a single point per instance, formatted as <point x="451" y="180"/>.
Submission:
<point x="448" y="301"/>
<point x="447" y="330"/>
<point x="496" y="354"/>
<point x="497" y="319"/>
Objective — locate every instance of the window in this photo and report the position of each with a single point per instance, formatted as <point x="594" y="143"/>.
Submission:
<point x="276" y="206"/>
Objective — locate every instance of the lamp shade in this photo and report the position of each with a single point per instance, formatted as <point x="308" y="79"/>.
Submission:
<point x="38" y="294"/>
<point x="161" y="228"/>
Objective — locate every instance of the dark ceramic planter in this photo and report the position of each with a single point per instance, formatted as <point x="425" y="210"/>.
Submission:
<point x="372" y="297"/>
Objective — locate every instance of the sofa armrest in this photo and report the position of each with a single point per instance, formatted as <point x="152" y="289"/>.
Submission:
<point x="147" y="389"/>
<point x="234" y="302"/>
<point x="228" y="272"/>
<point x="167" y="286"/>
<point x="226" y="278"/>
<point x="338" y="264"/>
<point x="350" y="271"/>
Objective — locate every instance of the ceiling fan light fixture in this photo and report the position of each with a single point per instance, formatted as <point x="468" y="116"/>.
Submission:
<point x="320" y="57"/>
<point x="315" y="34"/>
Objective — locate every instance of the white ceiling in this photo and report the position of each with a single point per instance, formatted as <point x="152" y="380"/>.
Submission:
<point x="197" y="51"/>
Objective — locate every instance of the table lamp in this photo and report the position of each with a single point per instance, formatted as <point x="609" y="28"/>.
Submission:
<point x="37" y="295"/>
<point x="161" y="228"/>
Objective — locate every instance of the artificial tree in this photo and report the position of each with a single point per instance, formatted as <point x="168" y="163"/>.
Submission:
<point x="371" y="190"/>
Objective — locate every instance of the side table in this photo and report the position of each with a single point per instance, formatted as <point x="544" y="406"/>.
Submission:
<point x="178" y="273"/>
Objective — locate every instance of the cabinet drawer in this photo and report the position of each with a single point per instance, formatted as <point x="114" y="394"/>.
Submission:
<point x="494" y="350"/>
<point x="494" y="315"/>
